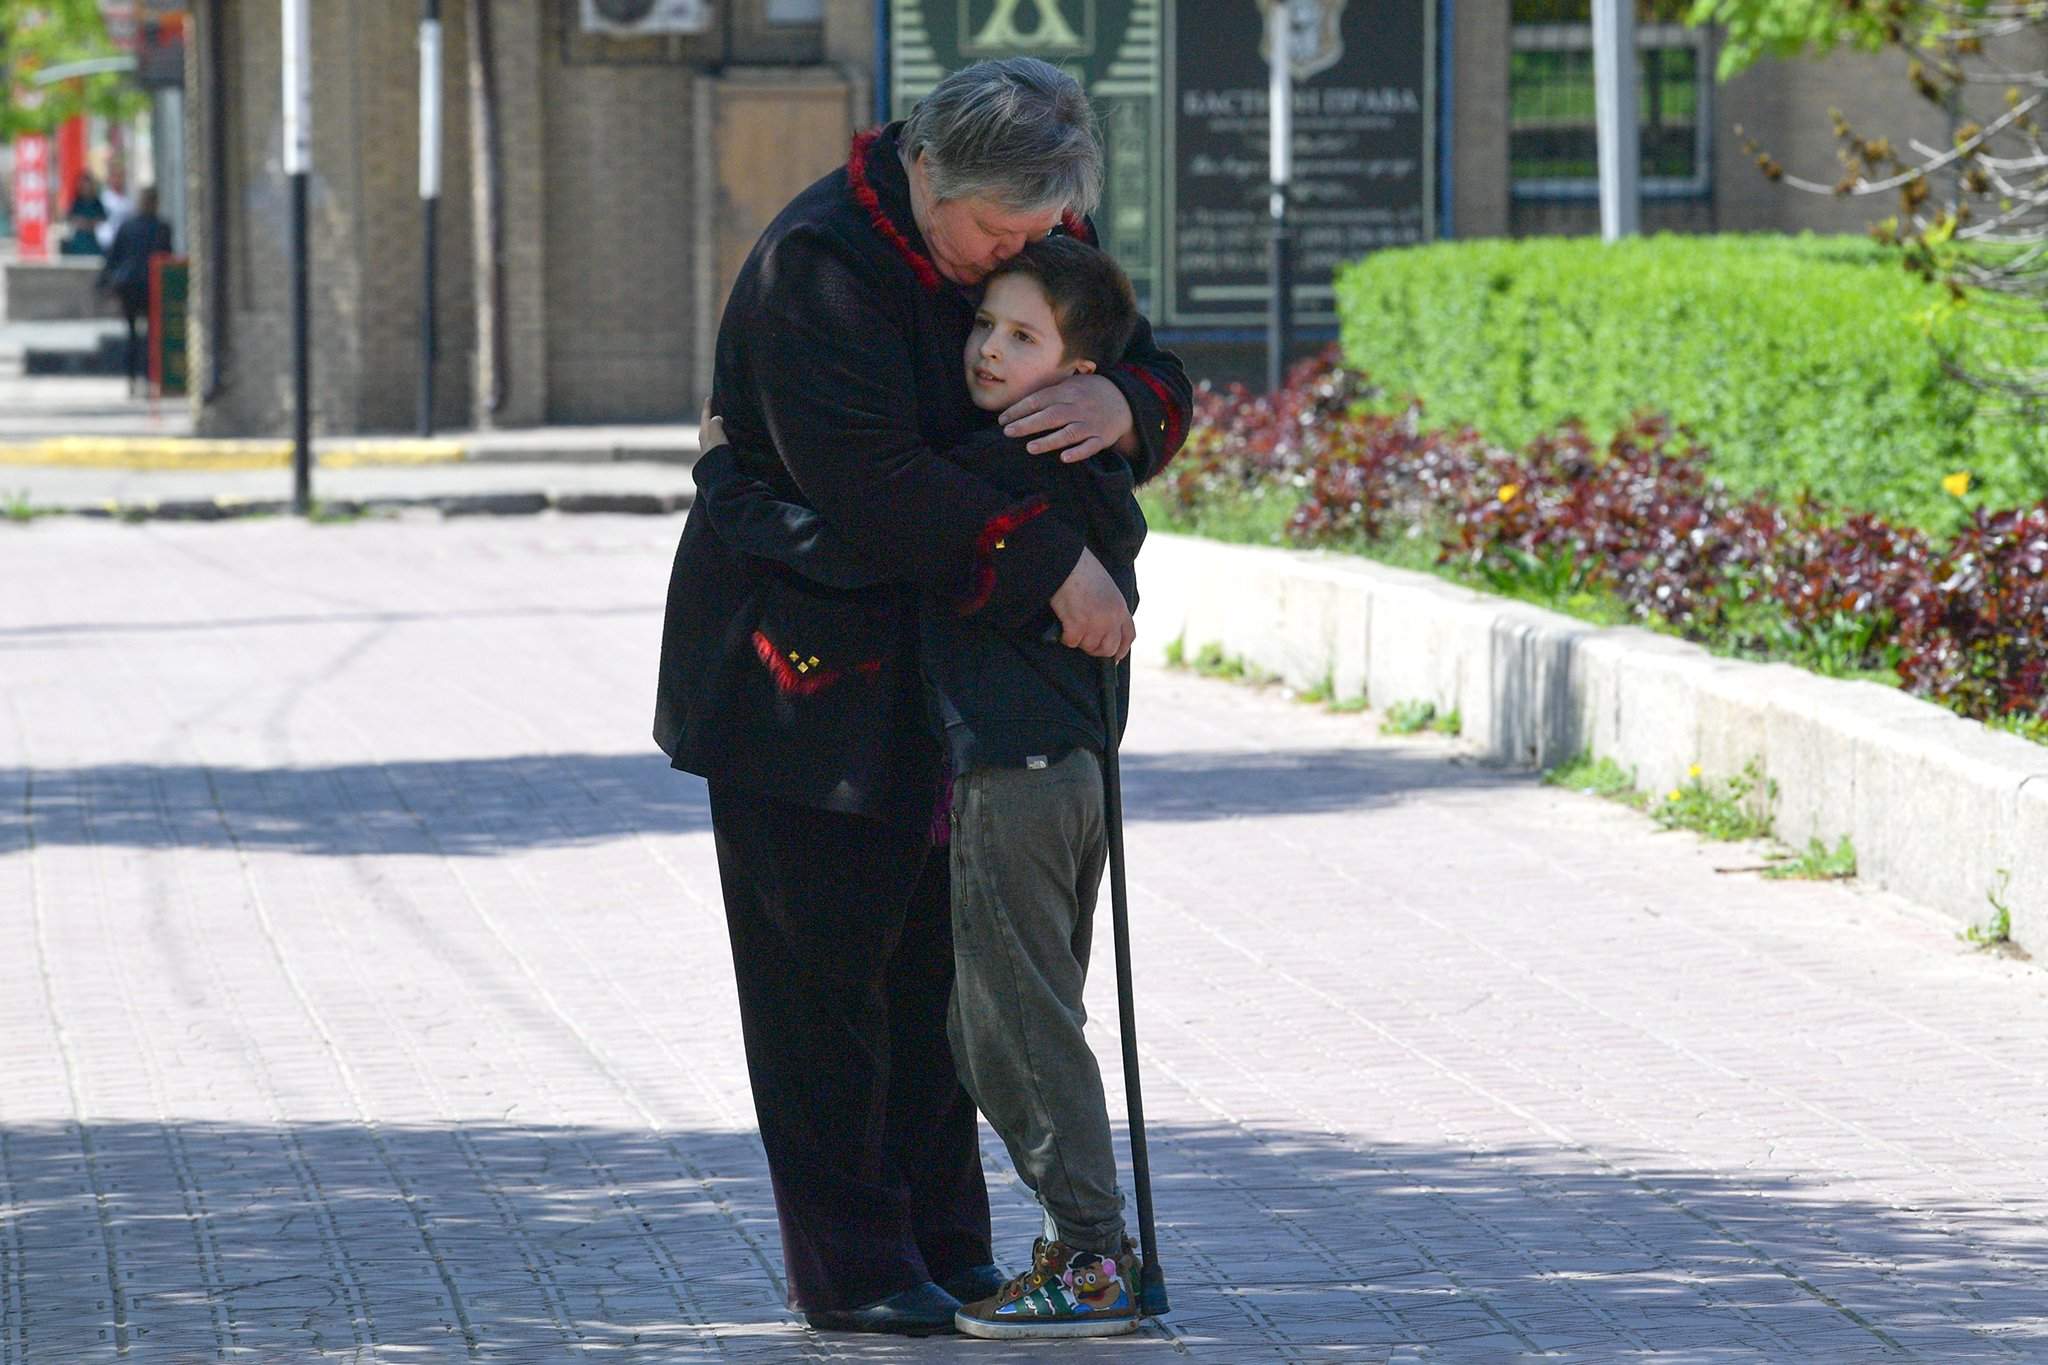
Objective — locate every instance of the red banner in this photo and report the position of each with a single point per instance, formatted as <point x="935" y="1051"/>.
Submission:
<point x="32" y="195"/>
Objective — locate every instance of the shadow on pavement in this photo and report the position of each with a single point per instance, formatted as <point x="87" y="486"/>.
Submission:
<point x="484" y="806"/>
<point x="492" y="1240"/>
<point x="1218" y="785"/>
<point x="456" y="806"/>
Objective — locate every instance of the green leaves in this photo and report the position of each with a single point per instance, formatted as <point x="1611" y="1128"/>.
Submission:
<point x="38" y="35"/>
<point x="1805" y="363"/>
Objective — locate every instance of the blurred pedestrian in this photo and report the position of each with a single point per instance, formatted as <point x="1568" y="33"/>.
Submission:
<point x="126" y="275"/>
<point x="86" y="212"/>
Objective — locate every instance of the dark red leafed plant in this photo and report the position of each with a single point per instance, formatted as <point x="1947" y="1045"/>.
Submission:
<point x="1644" y="521"/>
<point x="1978" y="638"/>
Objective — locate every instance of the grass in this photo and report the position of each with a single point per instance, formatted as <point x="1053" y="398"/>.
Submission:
<point x="1996" y="932"/>
<point x="1414" y="717"/>
<point x="1727" y="809"/>
<point x="2034" y="728"/>
<point x="18" y="509"/>
<point x="1817" y="863"/>
<point x="1211" y="662"/>
<point x="1598" y="777"/>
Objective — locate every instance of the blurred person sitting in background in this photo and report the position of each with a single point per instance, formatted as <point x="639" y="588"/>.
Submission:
<point x="86" y="213"/>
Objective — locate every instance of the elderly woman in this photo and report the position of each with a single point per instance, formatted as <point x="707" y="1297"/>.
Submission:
<point x="838" y="377"/>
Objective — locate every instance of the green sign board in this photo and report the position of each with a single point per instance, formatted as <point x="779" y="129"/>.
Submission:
<point x="1180" y="89"/>
<point x="169" y="324"/>
<point x="1110" y="46"/>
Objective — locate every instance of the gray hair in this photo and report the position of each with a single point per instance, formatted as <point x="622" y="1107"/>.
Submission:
<point x="1015" y="130"/>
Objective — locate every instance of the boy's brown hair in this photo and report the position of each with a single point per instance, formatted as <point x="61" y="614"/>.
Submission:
<point x="1091" y="297"/>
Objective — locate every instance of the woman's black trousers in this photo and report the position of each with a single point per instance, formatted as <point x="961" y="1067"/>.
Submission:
<point x="842" y="946"/>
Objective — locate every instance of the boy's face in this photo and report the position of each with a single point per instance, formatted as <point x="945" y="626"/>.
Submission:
<point x="1015" y="348"/>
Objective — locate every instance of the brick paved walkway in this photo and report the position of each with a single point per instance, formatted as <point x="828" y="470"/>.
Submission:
<point x="363" y="994"/>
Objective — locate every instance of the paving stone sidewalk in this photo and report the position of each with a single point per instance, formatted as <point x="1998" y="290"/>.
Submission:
<point x="364" y="995"/>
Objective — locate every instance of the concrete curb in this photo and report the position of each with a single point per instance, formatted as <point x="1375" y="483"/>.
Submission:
<point x="1940" y="809"/>
<point x="552" y="445"/>
<point x="500" y="504"/>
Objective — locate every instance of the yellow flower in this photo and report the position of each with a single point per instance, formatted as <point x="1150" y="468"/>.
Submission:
<point x="1693" y="772"/>
<point x="1673" y="795"/>
<point x="1508" y="491"/>
<point x="1957" y="483"/>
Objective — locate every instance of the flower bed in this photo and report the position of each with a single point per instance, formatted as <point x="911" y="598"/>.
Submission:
<point x="1638" y="531"/>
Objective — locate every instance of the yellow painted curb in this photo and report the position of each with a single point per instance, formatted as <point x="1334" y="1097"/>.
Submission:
<point x="193" y="453"/>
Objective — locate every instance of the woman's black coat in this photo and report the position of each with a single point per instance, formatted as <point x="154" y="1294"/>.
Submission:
<point x="839" y="377"/>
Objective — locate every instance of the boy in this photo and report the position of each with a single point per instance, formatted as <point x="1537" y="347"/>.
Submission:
<point x="1023" y="724"/>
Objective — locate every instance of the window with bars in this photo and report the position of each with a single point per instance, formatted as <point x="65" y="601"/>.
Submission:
<point x="1552" y="142"/>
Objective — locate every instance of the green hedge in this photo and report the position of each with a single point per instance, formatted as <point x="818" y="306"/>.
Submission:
<point x="1804" y="362"/>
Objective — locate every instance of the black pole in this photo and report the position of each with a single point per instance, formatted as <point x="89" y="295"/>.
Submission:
<point x="1151" y="1279"/>
<point x="298" y="167"/>
<point x="302" y="357"/>
<point x="216" y="267"/>
<point x="1280" y="321"/>
<point x="429" y="346"/>
<point x="430" y="200"/>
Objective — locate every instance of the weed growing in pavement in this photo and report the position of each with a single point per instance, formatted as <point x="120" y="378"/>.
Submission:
<point x="1817" y="864"/>
<point x="1736" y="807"/>
<point x="1212" y="662"/>
<point x="17" y="508"/>
<point x="1995" y="932"/>
<point x="1598" y="777"/>
<point x="1413" y="717"/>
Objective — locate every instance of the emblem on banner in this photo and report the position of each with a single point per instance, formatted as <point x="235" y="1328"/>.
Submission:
<point x="1315" y="39"/>
<point x="1037" y="28"/>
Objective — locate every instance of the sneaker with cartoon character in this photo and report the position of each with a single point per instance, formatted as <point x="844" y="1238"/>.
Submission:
<point x="1066" y="1293"/>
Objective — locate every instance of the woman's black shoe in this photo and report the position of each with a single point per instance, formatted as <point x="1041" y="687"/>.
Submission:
<point x="976" y="1283"/>
<point x="923" y="1310"/>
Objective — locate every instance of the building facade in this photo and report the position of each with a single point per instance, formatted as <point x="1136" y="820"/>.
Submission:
<point x="606" y="165"/>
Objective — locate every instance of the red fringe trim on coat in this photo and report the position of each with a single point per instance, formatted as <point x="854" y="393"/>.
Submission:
<point x="1176" y="421"/>
<point x="864" y="195"/>
<point x="999" y="526"/>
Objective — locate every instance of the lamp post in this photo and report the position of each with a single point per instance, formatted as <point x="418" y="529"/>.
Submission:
<point x="298" y="166"/>
<point x="1280" y="104"/>
<point x="1615" y="119"/>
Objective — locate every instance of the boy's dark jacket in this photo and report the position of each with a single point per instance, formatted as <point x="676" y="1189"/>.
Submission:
<point x="838" y="376"/>
<point x="1002" y="697"/>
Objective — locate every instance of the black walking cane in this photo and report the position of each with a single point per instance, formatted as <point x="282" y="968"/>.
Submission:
<point x="1152" y="1282"/>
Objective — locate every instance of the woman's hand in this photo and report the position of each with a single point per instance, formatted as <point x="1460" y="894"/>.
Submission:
<point x="1094" y="618"/>
<point x="710" y="430"/>
<point x="1078" y="416"/>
